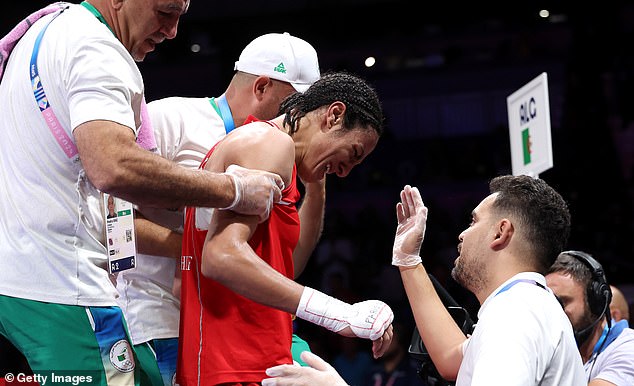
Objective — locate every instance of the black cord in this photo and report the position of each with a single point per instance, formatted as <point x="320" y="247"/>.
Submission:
<point x="594" y="360"/>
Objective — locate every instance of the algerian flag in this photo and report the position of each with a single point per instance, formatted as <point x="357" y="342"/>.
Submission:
<point x="526" y="146"/>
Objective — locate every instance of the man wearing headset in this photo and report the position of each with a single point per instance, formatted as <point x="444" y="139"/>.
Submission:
<point x="606" y="346"/>
<point x="522" y="336"/>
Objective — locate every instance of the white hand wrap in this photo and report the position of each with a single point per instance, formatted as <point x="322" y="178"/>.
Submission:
<point x="368" y="319"/>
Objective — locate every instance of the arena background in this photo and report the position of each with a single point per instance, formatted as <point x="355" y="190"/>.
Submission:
<point x="443" y="71"/>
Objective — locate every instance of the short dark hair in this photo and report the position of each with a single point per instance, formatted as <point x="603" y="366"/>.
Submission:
<point x="572" y="266"/>
<point x="588" y="272"/>
<point x="541" y="210"/>
<point x="363" y="107"/>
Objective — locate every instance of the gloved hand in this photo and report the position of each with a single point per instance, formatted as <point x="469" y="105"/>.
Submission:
<point x="256" y="191"/>
<point x="318" y="372"/>
<point x="368" y="319"/>
<point x="410" y="231"/>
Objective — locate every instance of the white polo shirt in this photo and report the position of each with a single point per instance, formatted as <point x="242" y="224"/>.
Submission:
<point x="615" y="362"/>
<point x="522" y="338"/>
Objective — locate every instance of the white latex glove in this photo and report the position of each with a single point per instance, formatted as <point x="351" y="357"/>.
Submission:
<point x="256" y="191"/>
<point x="410" y="231"/>
<point x="317" y="373"/>
<point x="368" y="319"/>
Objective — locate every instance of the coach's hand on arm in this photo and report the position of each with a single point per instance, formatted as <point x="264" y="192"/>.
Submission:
<point x="317" y="373"/>
<point x="255" y="191"/>
<point x="115" y="164"/>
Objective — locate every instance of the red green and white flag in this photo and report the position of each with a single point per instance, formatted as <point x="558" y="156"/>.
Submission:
<point x="526" y="146"/>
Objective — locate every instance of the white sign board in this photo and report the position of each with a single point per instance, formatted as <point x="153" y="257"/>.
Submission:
<point x="529" y="128"/>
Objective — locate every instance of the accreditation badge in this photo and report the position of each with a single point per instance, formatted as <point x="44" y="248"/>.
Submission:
<point x="120" y="237"/>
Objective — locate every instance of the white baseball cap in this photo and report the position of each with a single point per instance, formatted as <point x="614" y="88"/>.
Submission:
<point x="282" y="57"/>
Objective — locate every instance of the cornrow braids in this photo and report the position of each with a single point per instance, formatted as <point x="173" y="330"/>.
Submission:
<point x="363" y="108"/>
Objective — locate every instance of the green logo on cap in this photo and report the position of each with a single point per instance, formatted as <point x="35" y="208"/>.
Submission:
<point x="280" y="68"/>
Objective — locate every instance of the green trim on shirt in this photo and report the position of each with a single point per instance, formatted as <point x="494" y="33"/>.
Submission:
<point x="212" y="102"/>
<point x="97" y="14"/>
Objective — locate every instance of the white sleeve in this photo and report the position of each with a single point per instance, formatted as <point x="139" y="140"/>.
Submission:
<point x="103" y="83"/>
<point x="185" y="128"/>
<point x="167" y="122"/>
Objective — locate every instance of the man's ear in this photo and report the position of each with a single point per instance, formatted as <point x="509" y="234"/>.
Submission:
<point x="334" y="115"/>
<point x="117" y="4"/>
<point x="260" y="84"/>
<point x="504" y="231"/>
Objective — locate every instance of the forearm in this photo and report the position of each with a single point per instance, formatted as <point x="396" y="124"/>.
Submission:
<point x="248" y="275"/>
<point x="238" y="268"/>
<point x="147" y="179"/>
<point x="440" y="334"/>
<point x="228" y="259"/>
<point x="311" y="218"/>
<point x="115" y="164"/>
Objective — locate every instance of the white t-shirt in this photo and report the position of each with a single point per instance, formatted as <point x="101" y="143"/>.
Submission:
<point x="522" y="337"/>
<point x="615" y="363"/>
<point x="185" y="130"/>
<point x="51" y="246"/>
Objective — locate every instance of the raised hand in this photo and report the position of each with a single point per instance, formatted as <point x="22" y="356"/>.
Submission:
<point x="410" y="231"/>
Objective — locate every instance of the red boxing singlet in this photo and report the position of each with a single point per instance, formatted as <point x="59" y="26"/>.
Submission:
<point x="225" y="337"/>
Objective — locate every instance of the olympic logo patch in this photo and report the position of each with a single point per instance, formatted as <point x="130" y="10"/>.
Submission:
<point x="121" y="356"/>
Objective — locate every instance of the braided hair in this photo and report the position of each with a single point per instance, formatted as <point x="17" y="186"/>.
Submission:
<point x="363" y="108"/>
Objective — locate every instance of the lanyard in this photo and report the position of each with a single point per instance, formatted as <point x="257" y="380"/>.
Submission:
<point x="511" y="284"/>
<point x="599" y="344"/>
<point x="609" y="335"/>
<point x="60" y="135"/>
<point x="225" y="113"/>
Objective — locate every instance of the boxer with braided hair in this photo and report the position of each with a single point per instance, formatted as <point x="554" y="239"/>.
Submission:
<point x="363" y="106"/>
<point x="238" y="294"/>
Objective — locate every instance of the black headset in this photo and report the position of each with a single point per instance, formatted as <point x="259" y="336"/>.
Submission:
<point x="598" y="291"/>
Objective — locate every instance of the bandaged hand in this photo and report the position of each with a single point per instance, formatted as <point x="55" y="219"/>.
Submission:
<point x="256" y="191"/>
<point x="368" y="319"/>
<point x="410" y="231"/>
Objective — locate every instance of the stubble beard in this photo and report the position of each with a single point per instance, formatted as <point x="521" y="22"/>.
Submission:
<point x="469" y="274"/>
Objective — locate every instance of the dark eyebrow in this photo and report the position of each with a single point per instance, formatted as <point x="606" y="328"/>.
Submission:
<point x="176" y="6"/>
